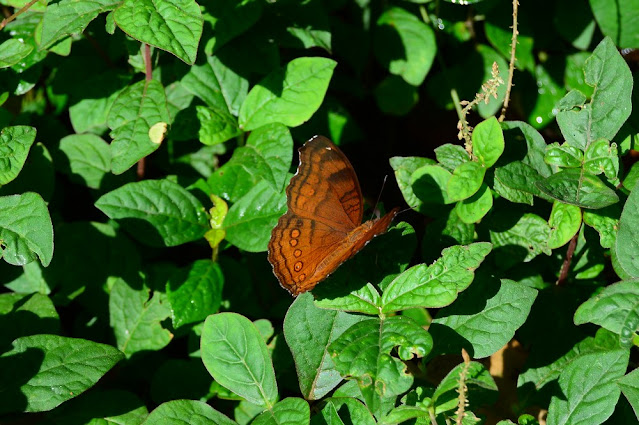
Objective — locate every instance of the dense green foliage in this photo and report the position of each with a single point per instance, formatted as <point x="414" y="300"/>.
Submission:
<point x="145" y="148"/>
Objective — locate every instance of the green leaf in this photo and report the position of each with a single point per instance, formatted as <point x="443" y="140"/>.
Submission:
<point x="290" y="411"/>
<point x="613" y="307"/>
<point x="518" y="133"/>
<point x="429" y="184"/>
<point x="235" y="355"/>
<point x="564" y="222"/>
<point x="582" y="25"/>
<point x="43" y="371"/>
<point x="602" y="157"/>
<point x="13" y="51"/>
<point x="576" y="187"/>
<point x="584" y="122"/>
<point x="229" y="19"/>
<point x="266" y="157"/>
<point x="26" y="231"/>
<point x="480" y="384"/>
<point x="216" y="126"/>
<point x="630" y="387"/>
<point x="89" y="158"/>
<point x="363" y="353"/>
<point x="518" y="237"/>
<point x="177" y="412"/>
<point x="436" y="285"/>
<point x="451" y="156"/>
<point x="395" y="96"/>
<point x="15" y="143"/>
<point x="564" y="155"/>
<point x="543" y="375"/>
<point x="628" y="235"/>
<point x="606" y="222"/>
<point x="547" y="92"/>
<point x="23" y="315"/>
<point x="93" y="99"/>
<point x="404" y="167"/>
<point x="465" y="181"/>
<point x="219" y="86"/>
<point x="617" y="21"/>
<point x="107" y="406"/>
<point x="70" y="17"/>
<point x="250" y="220"/>
<point x="309" y="331"/>
<point x="289" y="96"/>
<point x="505" y="308"/>
<point x="156" y="212"/>
<point x="590" y="390"/>
<point x="136" y="110"/>
<point x="473" y="209"/>
<point x="488" y="142"/>
<point x="171" y="25"/>
<point x="398" y="30"/>
<point x="343" y="410"/>
<point x="136" y="318"/>
<point x="515" y="181"/>
<point x="195" y="293"/>
<point x="632" y="177"/>
<point x="385" y="257"/>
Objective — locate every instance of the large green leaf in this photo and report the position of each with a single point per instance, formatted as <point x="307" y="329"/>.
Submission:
<point x="627" y="244"/>
<point x="13" y="51"/>
<point x="156" y="212"/>
<point x="134" y="113"/>
<point x="484" y="318"/>
<point x="266" y="156"/>
<point x="195" y="293"/>
<point x="23" y="315"/>
<point x="518" y="238"/>
<point x="589" y="387"/>
<point x="26" y="231"/>
<point x="290" y="411"/>
<point x="436" y="285"/>
<point x="613" y="308"/>
<point x="171" y="25"/>
<point x="289" y="96"/>
<point x="43" y="371"/>
<point x="250" y="221"/>
<point x="70" y="17"/>
<point x="15" y="143"/>
<point x="136" y="318"/>
<point x="405" y="45"/>
<point x="309" y="331"/>
<point x="404" y="167"/>
<point x="236" y="356"/>
<point x="177" y="412"/>
<point x="363" y="352"/>
<point x="89" y="158"/>
<point x="221" y="88"/>
<point x="581" y="121"/>
<point x="488" y="142"/>
<point x="577" y="187"/>
<point x="617" y="20"/>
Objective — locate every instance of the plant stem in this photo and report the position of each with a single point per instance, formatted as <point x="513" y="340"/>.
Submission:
<point x="511" y="67"/>
<point x="15" y="15"/>
<point x="566" y="265"/>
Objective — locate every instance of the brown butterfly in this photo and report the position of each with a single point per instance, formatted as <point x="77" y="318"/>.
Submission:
<point x="323" y="225"/>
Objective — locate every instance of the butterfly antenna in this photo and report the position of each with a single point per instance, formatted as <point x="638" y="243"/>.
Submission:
<point x="375" y="210"/>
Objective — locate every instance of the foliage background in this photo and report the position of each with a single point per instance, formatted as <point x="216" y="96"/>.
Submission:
<point x="144" y="152"/>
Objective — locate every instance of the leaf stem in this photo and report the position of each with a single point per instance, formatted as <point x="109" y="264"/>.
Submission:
<point x="566" y="265"/>
<point x="26" y="7"/>
<point x="511" y="67"/>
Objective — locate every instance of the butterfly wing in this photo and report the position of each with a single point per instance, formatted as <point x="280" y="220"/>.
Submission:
<point x="325" y="187"/>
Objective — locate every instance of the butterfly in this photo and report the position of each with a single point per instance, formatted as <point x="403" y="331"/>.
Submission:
<point x="323" y="225"/>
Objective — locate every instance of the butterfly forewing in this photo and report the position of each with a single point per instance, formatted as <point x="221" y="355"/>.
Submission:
<point x="325" y="186"/>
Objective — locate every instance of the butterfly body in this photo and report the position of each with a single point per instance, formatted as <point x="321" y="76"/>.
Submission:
<point x="323" y="225"/>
